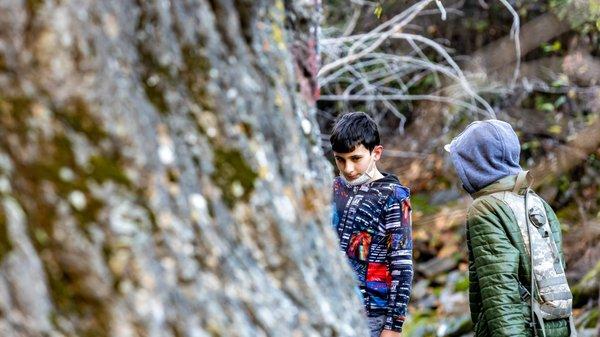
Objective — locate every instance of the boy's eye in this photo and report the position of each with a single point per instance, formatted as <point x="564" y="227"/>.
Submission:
<point x="355" y="159"/>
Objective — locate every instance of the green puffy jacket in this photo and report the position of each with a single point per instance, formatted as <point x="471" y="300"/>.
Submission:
<point x="498" y="261"/>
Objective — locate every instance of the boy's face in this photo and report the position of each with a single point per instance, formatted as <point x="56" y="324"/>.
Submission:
<point x="353" y="164"/>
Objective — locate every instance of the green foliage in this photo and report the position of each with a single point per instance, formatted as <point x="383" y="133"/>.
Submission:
<point x="583" y="15"/>
<point x="592" y="320"/>
<point x="555" y="129"/>
<point x="543" y="105"/>
<point x="553" y="47"/>
<point x="531" y="145"/>
<point x="462" y="284"/>
<point x="481" y="25"/>
<point x="421" y="323"/>
<point x="421" y="202"/>
<point x="378" y="10"/>
<point x="560" y="101"/>
<point x="561" y="81"/>
<point x="549" y="103"/>
<point x="563" y="183"/>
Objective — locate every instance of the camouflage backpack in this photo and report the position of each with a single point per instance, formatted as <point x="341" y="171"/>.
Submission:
<point x="553" y="298"/>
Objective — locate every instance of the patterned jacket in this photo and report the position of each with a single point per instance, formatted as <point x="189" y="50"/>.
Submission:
<point x="373" y="222"/>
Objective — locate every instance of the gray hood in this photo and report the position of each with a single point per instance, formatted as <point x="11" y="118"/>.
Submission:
<point x="485" y="152"/>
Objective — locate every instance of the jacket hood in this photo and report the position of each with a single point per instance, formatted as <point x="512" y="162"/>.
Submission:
<point x="400" y="191"/>
<point x="485" y="152"/>
<point x="388" y="178"/>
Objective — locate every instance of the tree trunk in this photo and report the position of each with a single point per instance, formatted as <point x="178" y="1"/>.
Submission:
<point x="502" y="51"/>
<point x="563" y="159"/>
<point x="161" y="174"/>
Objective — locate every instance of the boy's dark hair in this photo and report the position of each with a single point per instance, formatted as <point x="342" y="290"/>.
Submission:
<point x="353" y="129"/>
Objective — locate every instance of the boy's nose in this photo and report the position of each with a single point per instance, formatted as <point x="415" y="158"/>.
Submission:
<point x="349" y="168"/>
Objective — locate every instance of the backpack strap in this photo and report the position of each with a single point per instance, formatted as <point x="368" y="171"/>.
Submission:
<point x="524" y="180"/>
<point x="535" y="307"/>
<point x="572" y="327"/>
<point x="537" y="312"/>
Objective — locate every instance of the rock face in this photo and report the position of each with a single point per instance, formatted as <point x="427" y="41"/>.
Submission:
<point x="161" y="174"/>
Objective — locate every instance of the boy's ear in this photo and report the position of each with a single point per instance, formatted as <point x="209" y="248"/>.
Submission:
<point x="377" y="150"/>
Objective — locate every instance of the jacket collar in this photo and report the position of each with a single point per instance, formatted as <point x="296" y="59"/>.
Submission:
<point x="517" y="183"/>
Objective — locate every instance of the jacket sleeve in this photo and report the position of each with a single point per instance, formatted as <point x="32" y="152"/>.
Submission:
<point x="398" y="225"/>
<point x="474" y="291"/>
<point x="496" y="264"/>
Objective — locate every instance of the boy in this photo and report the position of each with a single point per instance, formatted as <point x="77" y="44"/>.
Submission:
<point x="505" y="222"/>
<point x="372" y="216"/>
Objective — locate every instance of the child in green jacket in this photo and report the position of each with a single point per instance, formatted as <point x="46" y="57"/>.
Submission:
<point x="504" y="223"/>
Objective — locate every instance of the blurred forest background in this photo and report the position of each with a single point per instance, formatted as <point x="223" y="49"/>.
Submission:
<point x="424" y="70"/>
